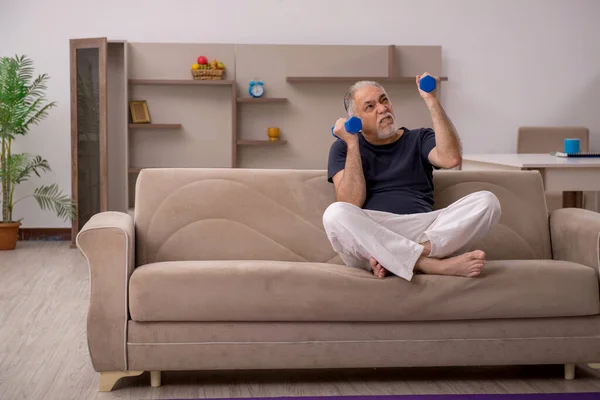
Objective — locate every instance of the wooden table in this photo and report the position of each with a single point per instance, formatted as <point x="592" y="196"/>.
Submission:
<point x="558" y="174"/>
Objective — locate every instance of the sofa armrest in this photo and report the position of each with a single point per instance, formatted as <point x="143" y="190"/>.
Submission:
<point x="107" y="242"/>
<point x="575" y="233"/>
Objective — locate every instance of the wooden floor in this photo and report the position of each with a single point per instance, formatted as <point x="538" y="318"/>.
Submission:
<point x="43" y="351"/>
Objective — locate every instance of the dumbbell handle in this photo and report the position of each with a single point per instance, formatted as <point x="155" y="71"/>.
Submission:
<point x="352" y="125"/>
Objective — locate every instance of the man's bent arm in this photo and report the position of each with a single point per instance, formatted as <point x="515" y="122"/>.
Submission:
<point x="350" y="184"/>
<point x="447" y="145"/>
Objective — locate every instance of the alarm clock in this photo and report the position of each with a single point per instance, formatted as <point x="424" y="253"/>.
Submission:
<point x="256" y="88"/>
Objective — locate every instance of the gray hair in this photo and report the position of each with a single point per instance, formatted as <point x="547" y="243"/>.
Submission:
<point x="349" y="96"/>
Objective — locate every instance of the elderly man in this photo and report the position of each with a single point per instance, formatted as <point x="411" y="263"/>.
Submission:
<point x="383" y="219"/>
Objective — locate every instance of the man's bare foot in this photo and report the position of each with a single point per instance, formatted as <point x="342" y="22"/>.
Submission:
<point x="468" y="265"/>
<point x="377" y="268"/>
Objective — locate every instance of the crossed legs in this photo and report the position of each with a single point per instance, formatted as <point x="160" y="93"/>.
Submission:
<point x="439" y="242"/>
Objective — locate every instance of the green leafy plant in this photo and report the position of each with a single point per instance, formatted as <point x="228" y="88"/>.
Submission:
<point x="22" y="105"/>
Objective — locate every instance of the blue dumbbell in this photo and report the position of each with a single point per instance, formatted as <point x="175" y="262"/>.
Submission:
<point x="353" y="125"/>
<point x="427" y="83"/>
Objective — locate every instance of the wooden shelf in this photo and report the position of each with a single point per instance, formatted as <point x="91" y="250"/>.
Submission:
<point x="262" y="100"/>
<point x="398" y="79"/>
<point x="179" y="82"/>
<point x="154" y="126"/>
<point x="243" y="142"/>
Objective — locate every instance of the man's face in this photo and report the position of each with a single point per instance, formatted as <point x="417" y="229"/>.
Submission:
<point x="374" y="108"/>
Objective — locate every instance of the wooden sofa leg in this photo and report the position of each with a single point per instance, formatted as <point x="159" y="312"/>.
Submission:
<point x="109" y="379"/>
<point x="569" y="371"/>
<point x="155" y="378"/>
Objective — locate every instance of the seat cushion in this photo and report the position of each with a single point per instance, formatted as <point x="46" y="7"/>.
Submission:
<point x="303" y="291"/>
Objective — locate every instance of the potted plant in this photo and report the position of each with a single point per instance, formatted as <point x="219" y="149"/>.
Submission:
<point x="23" y="104"/>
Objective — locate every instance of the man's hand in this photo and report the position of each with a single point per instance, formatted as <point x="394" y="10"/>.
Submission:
<point x="431" y="95"/>
<point x="339" y="130"/>
<point x="447" y="152"/>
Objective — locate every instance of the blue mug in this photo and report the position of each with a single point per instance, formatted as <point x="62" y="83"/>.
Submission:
<point x="572" y="146"/>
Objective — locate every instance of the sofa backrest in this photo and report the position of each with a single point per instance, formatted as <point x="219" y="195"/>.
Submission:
<point x="523" y="232"/>
<point x="219" y="213"/>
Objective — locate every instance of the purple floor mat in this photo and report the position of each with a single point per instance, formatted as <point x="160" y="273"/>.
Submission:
<point x="528" y="396"/>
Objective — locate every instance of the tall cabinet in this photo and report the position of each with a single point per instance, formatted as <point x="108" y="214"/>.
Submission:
<point x="88" y="128"/>
<point x="98" y="150"/>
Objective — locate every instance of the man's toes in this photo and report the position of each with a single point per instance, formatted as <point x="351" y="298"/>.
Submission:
<point x="382" y="271"/>
<point x="373" y="263"/>
<point x="473" y="274"/>
<point x="479" y="254"/>
<point x="476" y="268"/>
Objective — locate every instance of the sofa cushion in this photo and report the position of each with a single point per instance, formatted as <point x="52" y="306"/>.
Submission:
<point x="302" y="291"/>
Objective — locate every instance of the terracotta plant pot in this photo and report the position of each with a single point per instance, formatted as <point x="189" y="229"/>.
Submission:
<point x="9" y="233"/>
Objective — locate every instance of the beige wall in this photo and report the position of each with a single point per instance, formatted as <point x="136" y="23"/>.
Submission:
<point x="509" y="62"/>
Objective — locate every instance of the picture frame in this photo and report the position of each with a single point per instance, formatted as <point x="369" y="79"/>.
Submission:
<point x="139" y="112"/>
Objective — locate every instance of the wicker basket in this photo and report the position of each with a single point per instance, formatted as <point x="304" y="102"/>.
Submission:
<point x="208" y="74"/>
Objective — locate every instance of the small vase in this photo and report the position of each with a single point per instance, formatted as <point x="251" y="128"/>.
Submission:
<point x="9" y="233"/>
<point x="273" y="133"/>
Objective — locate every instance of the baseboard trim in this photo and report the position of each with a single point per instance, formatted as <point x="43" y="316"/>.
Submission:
<point x="50" y="234"/>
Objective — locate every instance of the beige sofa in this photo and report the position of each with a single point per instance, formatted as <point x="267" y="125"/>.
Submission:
<point x="231" y="269"/>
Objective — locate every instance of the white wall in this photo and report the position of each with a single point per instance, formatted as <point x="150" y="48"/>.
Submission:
<point x="509" y="62"/>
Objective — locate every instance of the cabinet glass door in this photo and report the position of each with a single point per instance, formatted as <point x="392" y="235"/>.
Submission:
<point x="88" y="129"/>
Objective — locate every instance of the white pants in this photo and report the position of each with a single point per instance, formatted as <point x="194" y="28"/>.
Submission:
<point x="395" y="240"/>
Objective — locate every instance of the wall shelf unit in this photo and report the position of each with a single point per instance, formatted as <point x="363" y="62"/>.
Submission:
<point x="260" y="100"/>
<point x="154" y="126"/>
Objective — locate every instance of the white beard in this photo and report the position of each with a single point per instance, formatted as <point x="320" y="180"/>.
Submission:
<point x="388" y="131"/>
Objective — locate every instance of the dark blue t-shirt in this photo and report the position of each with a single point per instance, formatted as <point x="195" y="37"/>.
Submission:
<point x="398" y="175"/>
